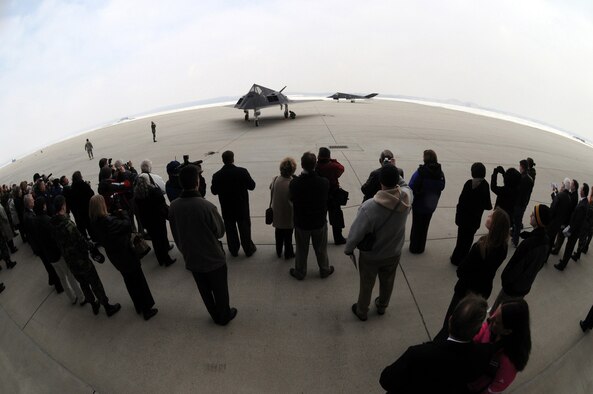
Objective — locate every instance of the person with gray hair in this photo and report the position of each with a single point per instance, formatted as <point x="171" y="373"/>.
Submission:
<point x="152" y="211"/>
<point x="373" y="185"/>
<point x="560" y="213"/>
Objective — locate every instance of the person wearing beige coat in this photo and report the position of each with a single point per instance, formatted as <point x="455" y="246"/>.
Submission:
<point x="282" y="207"/>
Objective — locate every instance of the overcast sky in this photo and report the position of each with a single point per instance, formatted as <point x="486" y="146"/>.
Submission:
<point x="66" y="66"/>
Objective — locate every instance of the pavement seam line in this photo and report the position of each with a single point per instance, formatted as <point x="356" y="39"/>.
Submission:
<point x="415" y="302"/>
<point x="39" y="306"/>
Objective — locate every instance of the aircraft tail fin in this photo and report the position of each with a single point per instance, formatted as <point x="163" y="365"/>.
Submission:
<point x="371" y="95"/>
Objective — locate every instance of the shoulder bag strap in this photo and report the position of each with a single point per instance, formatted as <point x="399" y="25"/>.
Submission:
<point x="272" y="190"/>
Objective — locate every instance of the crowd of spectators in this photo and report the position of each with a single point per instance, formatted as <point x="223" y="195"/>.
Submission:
<point x="461" y="357"/>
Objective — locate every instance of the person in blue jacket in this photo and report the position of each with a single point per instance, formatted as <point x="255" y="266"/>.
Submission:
<point x="427" y="183"/>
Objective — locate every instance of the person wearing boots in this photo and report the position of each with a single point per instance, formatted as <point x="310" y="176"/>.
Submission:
<point x="331" y="169"/>
<point x="114" y="232"/>
<point x="74" y="249"/>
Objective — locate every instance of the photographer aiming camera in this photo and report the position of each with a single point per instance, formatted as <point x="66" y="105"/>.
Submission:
<point x="173" y="186"/>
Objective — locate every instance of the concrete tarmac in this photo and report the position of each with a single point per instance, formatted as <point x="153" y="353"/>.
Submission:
<point x="289" y="336"/>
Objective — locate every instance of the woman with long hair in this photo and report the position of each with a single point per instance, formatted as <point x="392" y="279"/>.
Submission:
<point x="282" y="207"/>
<point x="476" y="272"/>
<point x="114" y="232"/>
<point x="509" y="329"/>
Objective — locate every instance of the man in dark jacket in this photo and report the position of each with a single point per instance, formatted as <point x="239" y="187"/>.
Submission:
<point x="573" y="230"/>
<point x="80" y="195"/>
<point x="574" y="199"/>
<point x="39" y="238"/>
<point x="586" y="232"/>
<point x="473" y="201"/>
<point x="444" y="367"/>
<point x="525" y="189"/>
<point x="529" y="257"/>
<point x="197" y="226"/>
<point x="231" y="184"/>
<point x="331" y="169"/>
<point x="560" y="213"/>
<point x="308" y="193"/>
<point x="373" y="185"/>
<point x="427" y="183"/>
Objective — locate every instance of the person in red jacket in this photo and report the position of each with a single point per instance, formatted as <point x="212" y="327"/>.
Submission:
<point x="330" y="168"/>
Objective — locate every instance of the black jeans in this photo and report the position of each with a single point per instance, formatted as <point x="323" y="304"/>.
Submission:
<point x="444" y="333"/>
<point x="570" y="244"/>
<point x="91" y="285"/>
<point x="53" y="279"/>
<point x="420" y="223"/>
<point x="284" y="239"/>
<point x="138" y="289"/>
<point x="213" y="287"/>
<point x="232" y="236"/>
<point x="157" y="230"/>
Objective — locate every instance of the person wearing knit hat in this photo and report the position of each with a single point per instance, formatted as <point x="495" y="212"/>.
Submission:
<point x="529" y="257"/>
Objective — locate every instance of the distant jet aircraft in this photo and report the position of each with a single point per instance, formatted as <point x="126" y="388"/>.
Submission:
<point x="351" y="97"/>
<point x="260" y="97"/>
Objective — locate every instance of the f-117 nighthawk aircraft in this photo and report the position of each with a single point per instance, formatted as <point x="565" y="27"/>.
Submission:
<point x="260" y="97"/>
<point x="352" y="97"/>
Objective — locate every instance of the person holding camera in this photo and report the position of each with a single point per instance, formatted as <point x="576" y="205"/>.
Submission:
<point x="385" y="217"/>
<point x="508" y="194"/>
<point x="372" y="184"/>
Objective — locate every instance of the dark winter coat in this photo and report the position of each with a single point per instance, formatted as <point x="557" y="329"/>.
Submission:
<point x="80" y="195"/>
<point x="476" y="273"/>
<point x="373" y="184"/>
<point x="331" y="170"/>
<point x="507" y="195"/>
<point x="560" y="211"/>
<point x="42" y="236"/>
<point x="578" y="217"/>
<point x="309" y="193"/>
<point x="73" y="246"/>
<point x="529" y="257"/>
<point x="114" y="234"/>
<point x="525" y="189"/>
<point x="427" y="183"/>
<point x="231" y="184"/>
<point x="472" y="204"/>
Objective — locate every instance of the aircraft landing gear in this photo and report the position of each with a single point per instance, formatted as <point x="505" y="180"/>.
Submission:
<point x="285" y="111"/>
<point x="246" y="115"/>
<point x="292" y="114"/>
<point x="256" y="115"/>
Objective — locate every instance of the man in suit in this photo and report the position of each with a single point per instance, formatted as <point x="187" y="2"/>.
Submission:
<point x="573" y="231"/>
<point x="309" y="192"/>
<point x="231" y="184"/>
<point x="560" y="213"/>
<point x="444" y="367"/>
